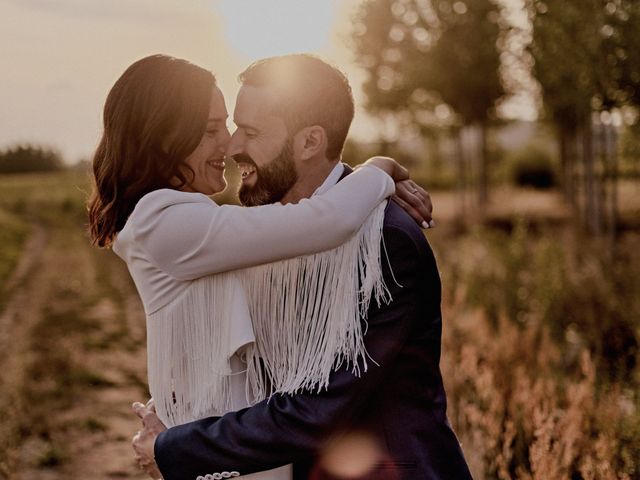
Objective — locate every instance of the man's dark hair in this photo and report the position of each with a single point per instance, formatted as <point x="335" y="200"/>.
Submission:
<point x="307" y="91"/>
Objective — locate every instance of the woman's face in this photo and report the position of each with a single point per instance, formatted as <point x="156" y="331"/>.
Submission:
<point x="207" y="160"/>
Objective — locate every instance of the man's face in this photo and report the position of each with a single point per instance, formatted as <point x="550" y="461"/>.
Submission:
<point x="262" y="148"/>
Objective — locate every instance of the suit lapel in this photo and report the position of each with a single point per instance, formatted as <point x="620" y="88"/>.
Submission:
<point x="347" y="171"/>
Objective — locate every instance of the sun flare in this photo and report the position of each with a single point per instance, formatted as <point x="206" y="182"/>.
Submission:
<point x="262" y="28"/>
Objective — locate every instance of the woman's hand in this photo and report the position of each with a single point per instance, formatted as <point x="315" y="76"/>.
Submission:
<point x="414" y="199"/>
<point x="143" y="442"/>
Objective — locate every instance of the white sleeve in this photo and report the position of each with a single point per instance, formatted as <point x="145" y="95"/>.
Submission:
<point x="194" y="236"/>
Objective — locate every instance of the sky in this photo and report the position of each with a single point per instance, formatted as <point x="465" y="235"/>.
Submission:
<point x="60" y="57"/>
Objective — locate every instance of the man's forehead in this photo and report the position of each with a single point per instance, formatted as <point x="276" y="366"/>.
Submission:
<point x="255" y="101"/>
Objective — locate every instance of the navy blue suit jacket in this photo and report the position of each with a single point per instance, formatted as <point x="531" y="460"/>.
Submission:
<point x="400" y="402"/>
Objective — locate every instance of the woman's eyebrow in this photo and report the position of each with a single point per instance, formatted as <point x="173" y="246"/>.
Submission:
<point x="217" y="119"/>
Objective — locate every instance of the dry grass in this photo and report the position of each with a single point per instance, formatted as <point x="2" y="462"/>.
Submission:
<point x="541" y="355"/>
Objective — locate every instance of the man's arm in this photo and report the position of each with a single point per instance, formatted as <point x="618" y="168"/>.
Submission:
<point x="287" y="428"/>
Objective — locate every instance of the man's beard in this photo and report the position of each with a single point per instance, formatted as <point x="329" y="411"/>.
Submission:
<point x="273" y="180"/>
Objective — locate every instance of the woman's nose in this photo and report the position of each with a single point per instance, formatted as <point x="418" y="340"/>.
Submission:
<point x="226" y="138"/>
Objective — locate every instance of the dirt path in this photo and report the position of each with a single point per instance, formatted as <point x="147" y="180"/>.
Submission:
<point x="73" y="359"/>
<point x="30" y="257"/>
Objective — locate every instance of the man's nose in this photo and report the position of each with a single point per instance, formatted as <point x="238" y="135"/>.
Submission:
<point x="235" y="145"/>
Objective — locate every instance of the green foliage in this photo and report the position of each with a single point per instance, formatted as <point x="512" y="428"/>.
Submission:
<point x="421" y="54"/>
<point x="28" y="158"/>
<point x="586" y="55"/>
<point x="531" y="167"/>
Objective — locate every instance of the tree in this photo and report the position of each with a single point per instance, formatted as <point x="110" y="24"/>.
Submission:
<point x="587" y="60"/>
<point x="430" y="58"/>
<point x="28" y="158"/>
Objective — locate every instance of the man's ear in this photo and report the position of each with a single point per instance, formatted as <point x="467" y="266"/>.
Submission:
<point x="310" y="141"/>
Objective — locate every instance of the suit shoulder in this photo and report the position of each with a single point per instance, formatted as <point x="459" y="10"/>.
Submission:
<point x="398" y="223"/>
<point x="404" y="239"/>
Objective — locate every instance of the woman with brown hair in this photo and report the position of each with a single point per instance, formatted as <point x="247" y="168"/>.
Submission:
<point x="161" y="155"/>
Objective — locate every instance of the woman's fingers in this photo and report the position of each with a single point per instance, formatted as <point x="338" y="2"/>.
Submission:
<point x="418" y="198"/>
<point x="409" y="195"/>
<point x="409" y="209"/>
<point x="426" y="198"/>
<point x="139" y="409"/>
<point x="415" y="201"/>
<point x="417" y="215"/>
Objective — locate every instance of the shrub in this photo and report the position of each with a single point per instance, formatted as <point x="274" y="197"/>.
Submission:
<point x="532" y="167"/>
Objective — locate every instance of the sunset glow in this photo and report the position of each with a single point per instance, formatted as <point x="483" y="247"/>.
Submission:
<point x="64" y="56"/>
<point x="283" y="27"/>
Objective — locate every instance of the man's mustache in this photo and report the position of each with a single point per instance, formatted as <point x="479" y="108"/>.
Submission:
<point x="243" y="158"/>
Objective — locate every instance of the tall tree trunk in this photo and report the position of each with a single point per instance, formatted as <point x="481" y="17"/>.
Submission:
<point x="611" y="149"/>
<point x="462" y="173"/>
<point x="435" y="153"/>
<point x="592" y="196"/>
<point x="567" y="138"/>
<point x="578" y="182"/>
<point x="483" y="170"/>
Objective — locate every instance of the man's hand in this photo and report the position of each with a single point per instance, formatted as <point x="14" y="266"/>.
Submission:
<point x="143" y="441"/>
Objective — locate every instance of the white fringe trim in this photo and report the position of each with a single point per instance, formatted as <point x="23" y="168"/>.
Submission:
<point x="307" y="311"/>
<point x="306" y="314"/>
<point x="189" y="345"/>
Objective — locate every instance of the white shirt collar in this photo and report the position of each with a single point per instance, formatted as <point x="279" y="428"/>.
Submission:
<point x="331" y="179"/>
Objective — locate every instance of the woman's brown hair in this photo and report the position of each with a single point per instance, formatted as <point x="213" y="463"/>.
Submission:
<point x="154" y="117"/>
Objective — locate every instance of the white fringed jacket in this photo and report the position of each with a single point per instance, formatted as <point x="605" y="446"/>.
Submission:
<point x="184" y="252"/>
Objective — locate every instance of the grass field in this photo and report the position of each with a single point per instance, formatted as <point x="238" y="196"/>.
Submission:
<point x="539" y="358"/>
<point x="72" y="339"/>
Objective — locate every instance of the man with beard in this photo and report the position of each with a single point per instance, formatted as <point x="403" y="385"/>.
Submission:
<point x="293" y="114"/>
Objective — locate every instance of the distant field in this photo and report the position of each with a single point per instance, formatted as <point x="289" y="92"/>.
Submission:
<point x="41" y="195"/>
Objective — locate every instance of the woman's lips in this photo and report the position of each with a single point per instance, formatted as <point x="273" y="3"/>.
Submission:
<point x="217" y="164"/>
